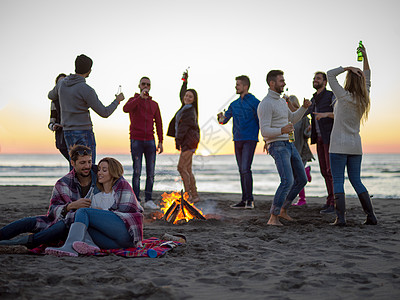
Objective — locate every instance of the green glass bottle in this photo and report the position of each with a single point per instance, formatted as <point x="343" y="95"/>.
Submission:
<point x="291" y="135"/>
<point x="359" y="53"/>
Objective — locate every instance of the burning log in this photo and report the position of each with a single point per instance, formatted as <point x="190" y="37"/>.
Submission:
<point x="182" y="206"/>
<point x="193" y="211"/>
<point x="169" y="211"/>
<point x="174" y="214"/>
<point x="178" y="210"/>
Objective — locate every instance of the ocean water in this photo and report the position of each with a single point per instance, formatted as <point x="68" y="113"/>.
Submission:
<point x="380" y="173"/>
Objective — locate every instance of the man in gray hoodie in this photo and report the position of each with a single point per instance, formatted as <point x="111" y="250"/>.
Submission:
<point x="76" y="97"/>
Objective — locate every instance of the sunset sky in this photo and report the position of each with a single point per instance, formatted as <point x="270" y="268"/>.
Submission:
<point x="219" y="40"/>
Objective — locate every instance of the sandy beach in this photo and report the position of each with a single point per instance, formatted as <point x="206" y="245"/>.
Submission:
<point x="232" y="255"/>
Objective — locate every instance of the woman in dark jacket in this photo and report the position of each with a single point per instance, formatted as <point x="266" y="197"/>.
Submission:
<point x="185" y="128"/>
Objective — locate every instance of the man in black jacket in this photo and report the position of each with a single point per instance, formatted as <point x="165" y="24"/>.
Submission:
<point x="322" y="101"/>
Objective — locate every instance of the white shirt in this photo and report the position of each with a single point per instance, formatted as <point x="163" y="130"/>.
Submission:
<point x="103" y="200"/>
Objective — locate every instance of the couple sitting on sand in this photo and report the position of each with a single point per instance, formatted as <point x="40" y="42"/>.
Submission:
<point x="91" y="210"/>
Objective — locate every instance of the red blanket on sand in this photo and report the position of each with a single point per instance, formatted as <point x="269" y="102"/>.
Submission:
<point x="160" y="246"/>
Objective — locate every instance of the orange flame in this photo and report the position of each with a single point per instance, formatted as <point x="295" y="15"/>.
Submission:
<point x="169" y="199"/>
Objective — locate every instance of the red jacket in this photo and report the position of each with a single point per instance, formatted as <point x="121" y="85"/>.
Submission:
<point x="143" y="113"/>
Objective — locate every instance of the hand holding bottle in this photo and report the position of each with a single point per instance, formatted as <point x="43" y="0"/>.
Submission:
<point x="288" y="128"/>
<point x="286" y="97"/>
<point x="306" y="103"/>
<point x="361" y="48"/>
<point x="221" y="117"/>
<point x="145" y="93"/>
<point x="119" y="96"/>
<point x="185" y="74"/>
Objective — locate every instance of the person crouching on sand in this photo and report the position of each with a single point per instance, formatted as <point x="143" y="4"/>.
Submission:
<point x="351" y="108"/>
<point x="115" y="222"/>
<point x="274" y="116"/>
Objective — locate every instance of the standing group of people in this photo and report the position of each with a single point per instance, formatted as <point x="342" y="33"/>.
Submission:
<point x="336" y="131"/>
<point x="335" y="125"/>
<point x="275" y="117"/>
<point x="94" y="207"/>
<point x="70" y="119"/>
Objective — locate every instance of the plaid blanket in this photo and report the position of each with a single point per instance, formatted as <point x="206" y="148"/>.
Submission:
<point x="153" y="244"/>
<point x="66" y="190"/>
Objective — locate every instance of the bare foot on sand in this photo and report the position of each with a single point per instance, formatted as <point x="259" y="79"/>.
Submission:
<point x="274" y="221"/>
<point x="284" y="215"/>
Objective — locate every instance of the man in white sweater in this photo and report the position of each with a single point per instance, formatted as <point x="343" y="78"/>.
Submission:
<point x="274" y="116"/>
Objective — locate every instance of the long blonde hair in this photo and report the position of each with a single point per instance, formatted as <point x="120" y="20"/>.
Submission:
<point x="294" y="101"/>
<point x="356" y="85"/>
<point x="115" y="169"/>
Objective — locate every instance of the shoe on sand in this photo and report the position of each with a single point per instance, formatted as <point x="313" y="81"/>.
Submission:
<point x="240" y="205"/>
<point x="59" y="253"/>
<point x="180" y="238"/>
<point x="329" y="210"/>
<point x="84" y="248"/>
<point x="300" y="202"/>
<point x="249" y="204"/>
<point x="151" y="205"/>
<point x="325" y="206"/>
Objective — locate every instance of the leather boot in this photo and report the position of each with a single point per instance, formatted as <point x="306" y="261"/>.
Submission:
<point x="366" y="204"/>
<point x="340" y="201"/>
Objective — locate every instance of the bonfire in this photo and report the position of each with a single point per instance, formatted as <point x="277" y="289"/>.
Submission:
<point x="177" y="209"/>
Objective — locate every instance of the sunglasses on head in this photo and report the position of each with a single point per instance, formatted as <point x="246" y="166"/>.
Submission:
<point x="84" y="152"/>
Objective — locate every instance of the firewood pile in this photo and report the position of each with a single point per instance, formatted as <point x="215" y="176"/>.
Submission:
<point x="177" y="209"/>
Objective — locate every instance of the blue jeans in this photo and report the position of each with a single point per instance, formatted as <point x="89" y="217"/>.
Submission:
<point x="107" y="230"/>
<point x="148" y="148"/>
<point x="81" y="137"/>
<point x="56" y="232"/>
<point x="244" y="152"/>
<point x="353" y="163"/>
<point x="291" y="171"/>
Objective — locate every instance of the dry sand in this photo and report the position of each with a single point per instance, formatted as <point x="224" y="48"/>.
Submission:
<point x="236" y="256"/>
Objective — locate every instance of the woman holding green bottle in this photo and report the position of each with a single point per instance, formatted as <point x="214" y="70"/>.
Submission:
<point x="350" y="110"/>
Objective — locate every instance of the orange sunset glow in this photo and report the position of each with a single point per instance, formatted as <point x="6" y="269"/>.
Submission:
<point x="211" y="51"/>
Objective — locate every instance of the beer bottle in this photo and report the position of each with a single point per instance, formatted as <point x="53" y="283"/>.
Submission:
<point x="359" y="53"/>
<point x="185" y="74"/>
<point x="291" y="135"/>
<point x="221" y="117"/>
